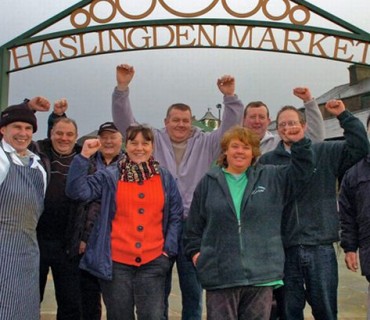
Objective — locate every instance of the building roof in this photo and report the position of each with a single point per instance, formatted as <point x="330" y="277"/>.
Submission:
<point x="345" y="91"/>
<point x="332" y="128"/>
<point x="208" y="116"/>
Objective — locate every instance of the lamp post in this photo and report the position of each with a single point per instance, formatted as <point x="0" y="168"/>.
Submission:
<point x="219" y="106"/>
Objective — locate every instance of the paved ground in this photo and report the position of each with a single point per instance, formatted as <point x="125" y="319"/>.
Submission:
<point x="352" y="297"/>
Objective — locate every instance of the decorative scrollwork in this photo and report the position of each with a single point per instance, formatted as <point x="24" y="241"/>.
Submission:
<point x="89" y="14"/>
<point x="242" y="15"/>
<point x="188" y="15"/>
<point x="138" y="16"/>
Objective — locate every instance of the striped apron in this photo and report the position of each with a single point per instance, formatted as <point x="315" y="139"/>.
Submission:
<point x="21" y="204"/>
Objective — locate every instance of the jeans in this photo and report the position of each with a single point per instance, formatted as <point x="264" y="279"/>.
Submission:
<point x="242" y="303"/>
<point x="191" y="289"/>
<point x="311" y="273"/>
<point x="141" y="287"/>
<point x="66" y="276"/>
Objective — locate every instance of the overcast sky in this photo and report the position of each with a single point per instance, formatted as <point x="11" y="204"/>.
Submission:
<point x="164" y="77"/>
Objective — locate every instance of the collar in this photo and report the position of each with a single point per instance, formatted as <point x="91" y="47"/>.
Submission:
<point x="8" y="148"/>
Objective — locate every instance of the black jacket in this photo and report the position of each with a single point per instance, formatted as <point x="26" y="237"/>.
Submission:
<point x="354" y="210"/>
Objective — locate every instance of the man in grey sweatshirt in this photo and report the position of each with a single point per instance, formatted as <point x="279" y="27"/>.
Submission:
<point x="187" y="153"/>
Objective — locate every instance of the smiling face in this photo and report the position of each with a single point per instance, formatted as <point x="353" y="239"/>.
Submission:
<point x="63" y="137"/>
<point x="178" y="124"/>
<point x="239" y="156"/>
<point x="111" y="144"/>
<point x="18" y="135"/>
<point x="287" y="120"/>
<point x="139" y="149"/>
<point x="257" y="119"/>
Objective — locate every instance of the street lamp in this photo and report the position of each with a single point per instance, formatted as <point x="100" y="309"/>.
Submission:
<point x="219" y="106"/>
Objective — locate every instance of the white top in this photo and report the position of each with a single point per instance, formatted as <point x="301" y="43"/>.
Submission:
<point x="4" y="162"/>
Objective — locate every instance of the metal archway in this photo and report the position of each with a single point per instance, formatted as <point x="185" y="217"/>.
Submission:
<point x="91" y="34"/>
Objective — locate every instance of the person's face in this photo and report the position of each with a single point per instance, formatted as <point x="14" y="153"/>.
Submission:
<point x="288" y="119"/>
<point x="178" y="125"/>
<point x="111" y="143"/>
<point x="139" y="150"/>
<point x="18" y="134"/>
<point x="239" y="156"/>
<point x="63" y="137"/>
<point x="257" y="120"/>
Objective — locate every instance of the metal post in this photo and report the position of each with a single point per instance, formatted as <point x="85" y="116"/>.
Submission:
<point x="219" y="106"/>
<point x="4" y="77"/>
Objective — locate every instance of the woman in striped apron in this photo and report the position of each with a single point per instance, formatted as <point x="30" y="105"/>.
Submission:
<point x="22" y="189"/>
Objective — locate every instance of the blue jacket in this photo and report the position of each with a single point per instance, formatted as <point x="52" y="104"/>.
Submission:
<point x="354" y="210"/>
<point x="312" y="219"/>
<point x="98" y="259"/>
<point x="250" y="251"/>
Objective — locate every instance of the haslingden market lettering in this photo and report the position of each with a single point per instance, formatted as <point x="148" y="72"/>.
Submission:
<point x="190" y="36"/>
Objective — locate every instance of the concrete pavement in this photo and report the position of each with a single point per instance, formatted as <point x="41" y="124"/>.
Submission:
<point x="352" y="298"/>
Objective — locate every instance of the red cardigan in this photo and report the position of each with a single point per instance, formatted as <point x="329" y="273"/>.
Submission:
<point x="137" y="236"/>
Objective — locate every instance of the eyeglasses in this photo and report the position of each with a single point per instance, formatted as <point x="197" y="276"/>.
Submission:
<point x="290" y="123"/>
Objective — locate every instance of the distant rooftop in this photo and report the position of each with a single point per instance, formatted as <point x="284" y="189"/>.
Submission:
<point x="345" y="91"/>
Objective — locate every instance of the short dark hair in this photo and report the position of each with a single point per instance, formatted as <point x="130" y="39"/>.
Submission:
<point x="256" y="104"/>
<point x="178" y="106"/>
<point x="65" y="120"/>
<point x="133" y="130"/>
<point x="301" y="117"/>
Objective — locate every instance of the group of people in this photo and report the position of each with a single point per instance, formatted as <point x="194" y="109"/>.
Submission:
<point x="255" y="230"/>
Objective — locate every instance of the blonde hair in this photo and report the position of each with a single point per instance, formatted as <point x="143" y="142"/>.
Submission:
<point x="242" y="134"/>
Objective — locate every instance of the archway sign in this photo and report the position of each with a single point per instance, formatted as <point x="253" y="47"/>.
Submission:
<point x="108" y="26"/>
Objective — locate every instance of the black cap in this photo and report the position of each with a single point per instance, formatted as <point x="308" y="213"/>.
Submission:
<point x="107" y="126"/>
<point x="19" y="112"/>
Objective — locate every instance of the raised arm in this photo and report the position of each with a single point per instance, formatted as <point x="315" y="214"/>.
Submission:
<point x="80" y="185"/>
<point x="121" y="106"/>
<point x="301" y="166"/>
<point x="38" y="104"/>
<point x="315" y="122"/>
<point x="59" y="111"/>
<point x="356" y="144"/>
<point x="232" y="115"/>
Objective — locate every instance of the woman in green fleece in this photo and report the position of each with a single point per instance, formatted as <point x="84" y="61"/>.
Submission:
<point x="233" y="230"/>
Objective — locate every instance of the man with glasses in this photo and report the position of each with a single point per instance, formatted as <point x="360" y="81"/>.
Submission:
<point x="310" y="223"/>
<point x="257" y="118"/>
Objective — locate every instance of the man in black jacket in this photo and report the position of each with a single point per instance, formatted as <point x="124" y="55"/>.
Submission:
<point x="354" y="211"/>
<point x="55" y="227"/>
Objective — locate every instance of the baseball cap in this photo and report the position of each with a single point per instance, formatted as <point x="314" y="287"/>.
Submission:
<point x="107" y="126"/>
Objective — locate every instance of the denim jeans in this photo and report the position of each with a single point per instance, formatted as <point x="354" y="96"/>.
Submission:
<point x="141" y="287"/>
<point x="311" y="273"/>
<point x="191" y="290"/>
<point x="242" y="303"/>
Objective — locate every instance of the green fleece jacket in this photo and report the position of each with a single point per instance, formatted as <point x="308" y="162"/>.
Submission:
<point x="250" y="252"/>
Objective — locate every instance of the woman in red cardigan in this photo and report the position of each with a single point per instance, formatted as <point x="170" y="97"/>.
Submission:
<point x="143" y="231"/>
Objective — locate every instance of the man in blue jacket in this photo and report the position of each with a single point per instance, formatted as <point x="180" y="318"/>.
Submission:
<point x="310" y="223"/>
<point x="354" y="212"/>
